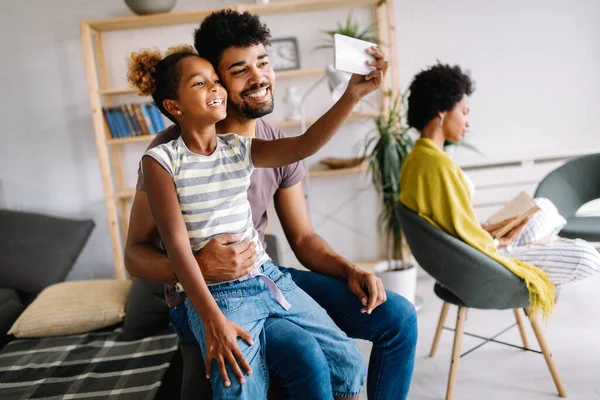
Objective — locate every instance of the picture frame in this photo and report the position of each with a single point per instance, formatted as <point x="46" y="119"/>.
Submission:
<point x="284" y="54"/>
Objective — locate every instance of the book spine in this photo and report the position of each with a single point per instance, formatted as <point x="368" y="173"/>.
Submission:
<point x="118" y="132"/>
<point x="159" y="117"/>
<point x="128" y="121"/>
<point x="109" y="121"/>
<point x="155" y="121"/>
<point x="141" y="121"/>
<point x="125" y="132"/>
<point x="131" y="114"/>
<point x="144" y="108"/>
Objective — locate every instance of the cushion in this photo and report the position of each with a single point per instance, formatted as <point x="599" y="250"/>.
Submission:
<point x="7" y="295"/>
<point x="147" y="312"/>
<point x="38" y="250"/>
<point x="73" y="307"/>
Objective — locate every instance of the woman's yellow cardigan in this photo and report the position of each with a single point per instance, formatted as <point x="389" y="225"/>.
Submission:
<point x="433" y="186"/>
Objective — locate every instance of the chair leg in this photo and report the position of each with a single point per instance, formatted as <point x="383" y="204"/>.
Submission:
<point x="461" y="318"/>
<point x="440" y="328"/>
<point x="541" y="338"/>
<point x="521" y="328"/>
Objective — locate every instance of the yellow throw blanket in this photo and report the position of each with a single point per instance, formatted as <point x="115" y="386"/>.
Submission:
<point x="433" y="186"/>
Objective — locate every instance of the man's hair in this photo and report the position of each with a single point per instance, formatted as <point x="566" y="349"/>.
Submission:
<point x="436" y="90"/>
<point x="227" y="28"/>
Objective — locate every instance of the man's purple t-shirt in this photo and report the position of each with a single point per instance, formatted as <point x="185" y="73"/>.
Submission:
<point x="264" y="182"/>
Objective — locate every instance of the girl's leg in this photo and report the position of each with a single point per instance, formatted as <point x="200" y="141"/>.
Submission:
<point x="242" y="312"/>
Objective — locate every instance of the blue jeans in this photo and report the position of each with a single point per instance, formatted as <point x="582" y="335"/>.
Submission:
<point x="248" y="303"/>
<point x="299" y="366"/>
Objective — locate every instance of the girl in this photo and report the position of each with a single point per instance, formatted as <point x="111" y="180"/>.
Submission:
<point x="196" y="186"/>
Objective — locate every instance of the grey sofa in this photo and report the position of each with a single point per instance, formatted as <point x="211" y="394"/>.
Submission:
<point x="36" y="251"/>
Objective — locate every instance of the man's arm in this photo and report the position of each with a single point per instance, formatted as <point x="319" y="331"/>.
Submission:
<point x="314" y="252"/>
<point x="144" y="259"/>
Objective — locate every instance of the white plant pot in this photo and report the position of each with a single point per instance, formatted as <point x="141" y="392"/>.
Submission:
<point x="402" y="281"/>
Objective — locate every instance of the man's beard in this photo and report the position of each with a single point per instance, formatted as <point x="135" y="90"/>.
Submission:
<point x="250" y="111"/>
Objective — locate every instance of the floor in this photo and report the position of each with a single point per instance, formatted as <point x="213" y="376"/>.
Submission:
<point x="496" y="372"/>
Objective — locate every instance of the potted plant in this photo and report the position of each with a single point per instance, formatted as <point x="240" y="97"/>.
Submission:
<point x="350" y="28"/>
<point x="386" y="147"/>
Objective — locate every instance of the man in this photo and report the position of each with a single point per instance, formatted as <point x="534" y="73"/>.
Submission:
<point x="356" y="300"/>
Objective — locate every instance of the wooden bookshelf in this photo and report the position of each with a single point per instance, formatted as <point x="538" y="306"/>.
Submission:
<point x="101" y="94"/>
<point x="322" y="172"/>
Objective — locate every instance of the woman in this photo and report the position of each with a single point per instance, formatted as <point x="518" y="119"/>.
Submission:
<point x="436" y="188"/>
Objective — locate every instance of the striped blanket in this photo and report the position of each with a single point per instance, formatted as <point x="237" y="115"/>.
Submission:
<point x="97" y="365"/>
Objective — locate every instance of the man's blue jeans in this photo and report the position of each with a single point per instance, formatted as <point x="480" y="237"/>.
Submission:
<point x="301" y="367"/>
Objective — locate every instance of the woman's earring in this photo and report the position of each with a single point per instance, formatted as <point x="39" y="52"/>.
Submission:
<point x="178" y="112"/>
<point x="442" y="120"/>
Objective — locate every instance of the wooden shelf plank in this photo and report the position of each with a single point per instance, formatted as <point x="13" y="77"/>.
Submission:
<point x="109" y="92"/>
<point x="293" y="73"/>
<point x="136" y="139"/>
<point x="309" y="122"/>
<point x="319" y="171"/>
<point x="125" y="194"/>
<point x="191" y="17"/>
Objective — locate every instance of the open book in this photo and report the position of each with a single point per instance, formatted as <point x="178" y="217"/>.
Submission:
<point x="520" y="207"/>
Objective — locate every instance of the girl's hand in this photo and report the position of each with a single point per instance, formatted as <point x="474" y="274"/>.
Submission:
<point x="359" y="85"/>
<point x="221" y="345"/>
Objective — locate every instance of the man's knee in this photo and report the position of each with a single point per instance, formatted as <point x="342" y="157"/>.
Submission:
<point x="397" y="317"/>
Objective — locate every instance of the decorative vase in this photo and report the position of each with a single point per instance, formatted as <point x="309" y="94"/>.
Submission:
<point x="401" y="281"/>
<point x="144" y="7"/>
<point x="293" y="102"/>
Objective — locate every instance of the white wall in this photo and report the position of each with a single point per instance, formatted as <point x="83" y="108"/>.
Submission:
<point x="535" y="64"/>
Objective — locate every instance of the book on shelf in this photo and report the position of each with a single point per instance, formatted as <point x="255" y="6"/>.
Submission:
<point x="515" y="211"/>
<point x="130" y="120"/>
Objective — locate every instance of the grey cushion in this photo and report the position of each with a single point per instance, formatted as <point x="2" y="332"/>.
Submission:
<point x="38" y="250"/>
<point x="468" y="277"/>
<point x="7" y="294"/>
<point x="146" y="312"/>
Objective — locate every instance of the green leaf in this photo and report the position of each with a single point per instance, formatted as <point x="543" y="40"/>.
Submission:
<point x="386" y="148"/>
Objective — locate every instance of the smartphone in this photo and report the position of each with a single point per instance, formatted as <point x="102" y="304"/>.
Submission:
<point x="350" y="55"/>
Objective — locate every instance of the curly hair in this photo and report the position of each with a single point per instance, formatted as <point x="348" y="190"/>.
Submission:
<point x="436" y="90"/>
<point x="228" y="28"/>
<point x="156" y="76"/>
